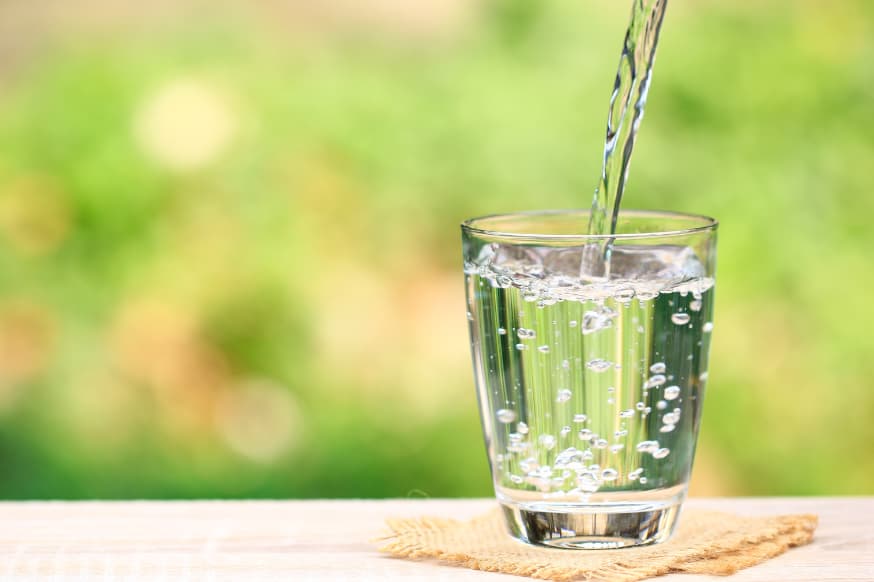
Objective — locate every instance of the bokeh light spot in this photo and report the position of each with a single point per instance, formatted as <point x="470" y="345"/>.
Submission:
<point x="185" y="124"/>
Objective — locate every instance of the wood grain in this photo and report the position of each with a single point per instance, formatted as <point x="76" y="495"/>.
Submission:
<point x="332" y="540"/>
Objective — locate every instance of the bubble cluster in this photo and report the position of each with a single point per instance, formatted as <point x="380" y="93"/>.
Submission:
<point x="635" y="354"/>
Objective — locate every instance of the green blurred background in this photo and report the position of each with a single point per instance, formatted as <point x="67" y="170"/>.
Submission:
<point x="229" y="244"/>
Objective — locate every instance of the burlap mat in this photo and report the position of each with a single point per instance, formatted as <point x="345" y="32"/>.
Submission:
<point x="706" y="542"/>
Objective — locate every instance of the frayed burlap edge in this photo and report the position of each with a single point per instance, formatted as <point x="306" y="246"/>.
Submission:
<point x="706" y="543"/>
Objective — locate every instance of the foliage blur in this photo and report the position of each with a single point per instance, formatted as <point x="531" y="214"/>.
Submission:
<point x="229" y="245"/>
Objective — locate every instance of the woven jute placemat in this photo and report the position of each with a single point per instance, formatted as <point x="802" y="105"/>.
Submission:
<point x="706" y="542"/>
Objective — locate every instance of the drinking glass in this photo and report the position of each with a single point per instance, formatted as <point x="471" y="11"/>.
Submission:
<point x="590" y="387"/>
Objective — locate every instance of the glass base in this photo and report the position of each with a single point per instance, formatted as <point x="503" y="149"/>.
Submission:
<point x="592" y="527"/>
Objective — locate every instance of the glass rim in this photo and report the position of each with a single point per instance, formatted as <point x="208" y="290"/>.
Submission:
<point x="707" y="224"/>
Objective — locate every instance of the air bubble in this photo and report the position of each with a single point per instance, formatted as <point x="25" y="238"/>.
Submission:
<point x="586" y="434"/>
<point x="635" y="474"/>
<point x="658" y="368"/>
<point x="609" y="474"/>
<point x="502" y="331"/>
<point x="587" y="482"/>
<point x="680" y="318"/>
<point x="506" y="415"/>
<point x="516" y="479"/>
<point x="624" y="295"/>
<point x="593" y="321"/>
<point x="626" y="413"/>
<point x="647" y="446"/>
<point x="703" y="376"/>
<point x="661" y="453"/>
<point x="563" y="395"/>
<point x="572" y="323"/>
<point x="521" y="347"/>
<point x="668" y="428"/>
<point x="644" y="296"/>
<point x="599" y="365"/>
<point x="707" y="327"/>
<point x="525" y="333"/>
<point x="672" y="392"/>
<point x="565" y="430"/>
<point x="655" y="381"/>
<point x="547" y="441"/>
<point x="469" y="316"/>
<point x="529" y="295"/>
<point x="543" y="349"/>
<point x="522" y="428"/>
<point x="661" y="405"/>
<point x="642" y="480"/>
<point x="565" y="364"/>
<point x="616" y="448"/>
<point x="695" y="305"/>
<point x="600" y="444"/>
<point x="529" y="464"/>
<point x="579" y="418"/>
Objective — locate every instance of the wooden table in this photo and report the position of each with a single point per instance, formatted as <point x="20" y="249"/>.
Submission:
<point x="330" y="540"/>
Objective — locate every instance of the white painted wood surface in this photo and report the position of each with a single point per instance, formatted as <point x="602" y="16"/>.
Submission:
<point x="331" y="540"/>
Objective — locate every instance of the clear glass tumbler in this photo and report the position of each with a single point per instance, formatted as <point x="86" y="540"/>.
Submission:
<point x="590" y="387"/>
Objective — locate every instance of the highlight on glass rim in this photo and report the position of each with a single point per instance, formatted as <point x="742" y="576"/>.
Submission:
<point x="231" y="265"/>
